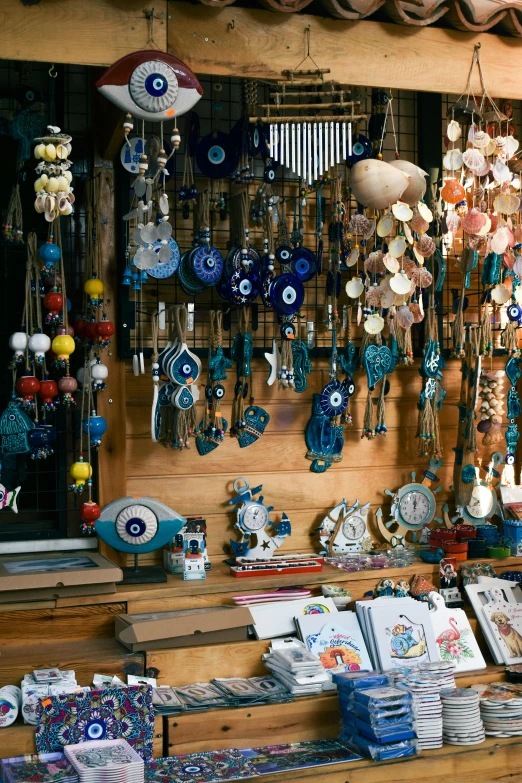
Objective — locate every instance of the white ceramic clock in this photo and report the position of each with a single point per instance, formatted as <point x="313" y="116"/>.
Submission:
<point x="483" y="502"/>
<point x="253" y="520"/>
<point x="344" y="529"/>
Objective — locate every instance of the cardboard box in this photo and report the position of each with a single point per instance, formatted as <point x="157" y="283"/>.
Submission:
<point x="44" y="575"/>
<point x="183" y="628"/>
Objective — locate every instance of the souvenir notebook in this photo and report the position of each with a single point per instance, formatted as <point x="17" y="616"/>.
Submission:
<point x="298" y="755"/>
<point x="215" y="766"/>
<point x="108" y="714"/>
<point x="505" y="623"/>
<point x="271" y="620"/>
<point x="337" y="641"/>
<point x="453" y="636"/>
<point x="478" y="595"/>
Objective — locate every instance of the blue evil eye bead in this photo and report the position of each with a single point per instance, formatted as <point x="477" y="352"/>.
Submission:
<point x="208" y="392"/>
<point x="244" y="286"/>
<point x="287" y="331"/>
<point x="286" y="294"/>
<point x="361" y="150"/>
<point x="218" y="391"/>
<point x="269" y="174"/>
<point x="334" y="399"/>
<point x="216" y="154"/>
<point x="349" y="385"/>
<point x="283" y="254"/>
<point x="207" y="263"/>
<point x="95" y="730"/>
<point x="303" y="264"/>
<point x="514" y="312"/>
<point x="510" y="459"/>
<point x="136" y="524"/>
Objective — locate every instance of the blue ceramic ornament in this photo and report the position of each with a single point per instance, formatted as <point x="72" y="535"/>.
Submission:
<point x="377" y="361"/>
<point x="302" y="365"/>
<point x="95" y="427"/>
<point x="324" y="442"/>
<point x="184" y="368"/>
<point x="254" y="425"/>
<point x="41" y="440"/>
<point x="219" y="364"/>
<point x="14" y="426"/>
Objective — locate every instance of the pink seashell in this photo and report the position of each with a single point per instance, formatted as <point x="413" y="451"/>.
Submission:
<point x="473" y="159"/>
<point x="409" y="267"/>
<point x="421" y="277"/>
<point x="374" y="264"/>
<point x="452" y="222"/>
<point x="517" y="266"/>
<point x="518" y="235"/>
<point x="374" y="296"/>
<point x="476" y="242"/>
<point x="418" y="223"/>
<point x="361" y="226"/>
<point x="500" y="240"/>
<point x="425" y="246"/>
<point x="404" y="317"/>
<point x="415" y="310"/>
<point x="494" y="221"/>
<point x="473" y="221"/>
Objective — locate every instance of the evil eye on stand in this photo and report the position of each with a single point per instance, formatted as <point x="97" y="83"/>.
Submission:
<point x="136" y="524"/>
<point x="514" y="312"/>
<point x="286" y="294"/>
<point x="334" y="399"/>
<point x="95" y="730"/>
<point x="303" y="264"/>
<point x="244" y="286"/>
<point x="510" y="459"/>
<point x="218" y="391"/>
<point x="284" y="254"/>
<point x="151" y="85"/>
<point x="361" y="150"/>
<point x="287" y="331"/>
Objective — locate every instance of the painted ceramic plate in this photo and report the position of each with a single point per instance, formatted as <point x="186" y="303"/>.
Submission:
<point x="163" y="270"/>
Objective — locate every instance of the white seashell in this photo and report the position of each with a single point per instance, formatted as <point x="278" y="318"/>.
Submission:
<point x="500" y="294"/>
<point x="374" y="324"/>
<point x="66" y="209"/>
<point x="352" y="259"/>
<point x="354" y="287"/>
<point x="50" y="152"/>
<point x="63" y="184"/>
<point x="164" y="203"/>
<point x="400" y="283"/>
<point x="417" y="186"/>
<point x="491" y="411"/>
<point x="68" y="176"/>
<point x="385" y="225"/>
<point x="376" y="184"/>
<point x="402" y="211"/>
<point x="485" y="228"/>
<point x="397" y="246"/>
<point x="52" y="185"/>
<point x="452" y="160"/>
<point x="500" y="240"/>
<point x="507" y="203"/>
<point x="391" y="264"/>
<point x="425" y="212"/>
<point x="483" y="170"/>
<point x="512" y="146"/>
<point x="61" y="152"/>
<point x="39" y="203"/>
<point x="501" y="172"/>
<point x="388" y="299"/>
<point x="480" y="139"/>
<point x="453" y="131"/>
<point x="518" y="295"/>
<point x="407" y="233"/>
<point x="473" y="159"/>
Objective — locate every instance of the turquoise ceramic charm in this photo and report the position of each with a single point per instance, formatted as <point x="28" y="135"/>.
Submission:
<point x="218" y="365"/>
<point x="14" y="426"/>
<point x="242" y="352"/>
<point x="302" y="365"/>
<point x="350" y="359"/>
<point x="256" y="419"/>
<point x="377" y="361"/>
<point x="513" y="404"/>
<point x="207" y="443"/>
<point x="324" y="442"/>
<point x="513" y="370"/>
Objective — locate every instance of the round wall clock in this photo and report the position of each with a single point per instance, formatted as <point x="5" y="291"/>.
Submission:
<point x="483" y="503"/>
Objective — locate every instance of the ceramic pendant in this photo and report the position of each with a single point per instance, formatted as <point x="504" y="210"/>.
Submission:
<point x="350" y="359"/>
<point x="183" y="398"/>
<point x="302" y="365"/>
<point x="334" y="398"/>
<point x="242" y="352"/>
<point x="185" y="368"/>
<point x="14" y="427"/>
<point x="377" y="361"/>
<point x="256" y="420"/>
<point x="219" y="364"/>
<point x="433" y="362"/>
<point x="513" y="370"/>
<point x="205" y="443"/>
<point x="513" y="404"/>
<point x="324" y="442"/>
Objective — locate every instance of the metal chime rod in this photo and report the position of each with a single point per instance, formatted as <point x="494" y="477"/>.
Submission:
<point x="287" y="140"/>
<point x="332" y="156"/>
<point x="315" y="151"/>
<point x="309" y="153"/>
<point x="344" y="141"/>
<point x="326" y="165"/>
<point x="304" y="151"/>
<point x="350" y="149"/>
<point x="298" y="149"/>
<point x="282" y="142"/>
<point x="293" y="147"/>
<point x="272" y="131"/>
<point x="320" y="145"/>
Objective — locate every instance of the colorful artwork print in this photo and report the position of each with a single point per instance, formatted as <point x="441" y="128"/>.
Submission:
<point x="448" y="573"/>
<point x="212" y="767"/>
<point x="298" y="755"/>
<point x="506" y="621"/>
<point x="108" y="714"/>
<point x="407" y="641"/>
<point x="454" y="643"/>
<point x="44" y="768"/>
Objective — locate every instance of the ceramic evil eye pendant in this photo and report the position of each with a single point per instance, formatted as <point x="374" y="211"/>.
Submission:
<point x="287" y="331"/>
<point x="361" y="150"/>
<point x="185" y="397"/>
<point x="185" y="368"/>
<point x="244" y="286"/>
<point x="286" y="294"/>
<point x="303" y="264"/>
<point x="334" y="398"/>
<point x="207" y="263"/>
<point x="514" y="312"/>
<point x="283" y="254"/>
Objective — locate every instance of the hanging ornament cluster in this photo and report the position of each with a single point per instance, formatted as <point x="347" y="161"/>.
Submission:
<point x="492" y="408"/>
<point x="54" y="193"/>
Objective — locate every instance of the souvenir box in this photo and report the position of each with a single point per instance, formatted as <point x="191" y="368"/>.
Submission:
<point x="43" y="575"/>
<point x="183" y="628"/>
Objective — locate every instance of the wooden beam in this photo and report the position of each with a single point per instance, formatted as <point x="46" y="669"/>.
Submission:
<point x="96" y="32"/>
<point x="259" y="44"/>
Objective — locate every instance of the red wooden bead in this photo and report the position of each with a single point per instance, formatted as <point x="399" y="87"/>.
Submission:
<point x="53" y="300"/>
<point x="27" y="385"/>
<point x="105" y="328"/>
<point x="90" y="512"/>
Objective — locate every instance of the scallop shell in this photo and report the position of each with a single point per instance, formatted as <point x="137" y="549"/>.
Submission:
<point x="407" y="233"/>
<point x="484" y="169"/>
<point x="501" y="172"/>
<point x="452" y="192"/>
<point x="376" y="184"/>
<point x="387" y="299"/>
<point x="404" y="317"/>
<point x="473" y="221"/>
<point x="425" y="246"/>
<point x="391" y="263"/>
<point x="500" y="144"/>
<point x="494" y="221"/>
<point x="490" y="149"/>
<point x="480" y="139"/>
<point x="361" y="226"/>
<point x="385" y="225"/>
<point x="518" y="295"/>
<point x="508" y="203"/>
<point x="452" y="222"/>
<point x="500" y="240"/>
<point x="425" y="211"/>
<point x="518" y="235"/>
<point x="400" y="283"/>
<point x="453" y="131"/>
<point x="417" y="312"/>
<point x="512" y="146"/>
<point x="397" y="246"/>
<point x="374" y="263"/>
<point x="374" y="296"/>
<point x="409" y="266"/>
<point x="452" y="160"/>
<point x="421" y="277"/>
<point x="418" y="223"/>
<point x="402" y="211"/>
<point x="417" y="185"/>
<point x="476" y="242"/>
<point x="500" y="294"/>
<point x="486" y="228"/>
<point x="354" y="287"/>
<point x="473" y="159"/>
<point x="353" y="257"/>
<point x="374" y="324"/>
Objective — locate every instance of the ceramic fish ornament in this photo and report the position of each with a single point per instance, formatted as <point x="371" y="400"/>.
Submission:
<point x="8" y="499"/>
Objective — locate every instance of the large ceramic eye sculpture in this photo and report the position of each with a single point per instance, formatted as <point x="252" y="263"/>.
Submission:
<point x="136" y="524"/>
<point x="151" y="85"/>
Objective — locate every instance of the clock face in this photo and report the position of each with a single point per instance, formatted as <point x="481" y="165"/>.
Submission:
<point x="481" y="503"/>
<point x="414" y="508"/>
<point x="254" y="516"/>
<point x="354" y="528"/>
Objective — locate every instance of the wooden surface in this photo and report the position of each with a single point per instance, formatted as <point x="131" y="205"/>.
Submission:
<point x="59" y="625"/>
<point x="186" y="665"/>
<point x="261" y="44"/>
<point x="110" y="29"/>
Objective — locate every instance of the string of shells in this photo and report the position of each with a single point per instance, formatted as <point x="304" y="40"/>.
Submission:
<point x="491" y="408"/>
<point x="54" y="193"/>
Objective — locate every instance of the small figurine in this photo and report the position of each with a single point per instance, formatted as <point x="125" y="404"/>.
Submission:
<point x="402" y="589"/>
<point x="194" y="561"/>
<point x="385" y="588"/>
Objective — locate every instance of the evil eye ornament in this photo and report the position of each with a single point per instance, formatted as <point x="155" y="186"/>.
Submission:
<point x="284" y="254"/>
<point x="151" y="85"/>
<point x="183" y="399"/>
<point x="95" y="730"/>
<point x="218" y="392"/>
<point x="207" y="263"/>
<point x="269" y="174"/>
<point x="334" y="399"/>
<point x="510" y="459"/>
<point x="361" y="150"/>
<point x="185" y="368"/>
<point x="217" y="156"/>
<point x="188" y="281"/>
<point x="303" y="264"/>
<point x="349" y="385"/>
<point x="164" y="269"/>
<point x="514" y="312"/>
<point x="244" y="286"/>
<point x="286" y="294"/>
<point x="287" y="331"/>
<point x="136" y="524"/>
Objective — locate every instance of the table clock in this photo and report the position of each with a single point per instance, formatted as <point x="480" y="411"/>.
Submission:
<point x="253" y="517"/>
<point x="137" y="525"/>
<point x="344" y="529"/>
<point x="413" y="507"/>
<point x="483" y="503"/>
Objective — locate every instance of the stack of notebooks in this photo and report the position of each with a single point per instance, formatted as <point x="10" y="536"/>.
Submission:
<point x="38" y="768"/>
<point x="296" y="668"/>
<point x="377" y="719"/>
<point x="221" y="692"/>
<point x="106" y="761"/>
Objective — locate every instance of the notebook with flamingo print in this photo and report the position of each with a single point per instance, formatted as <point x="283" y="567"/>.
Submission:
<point x="453" y="636"/>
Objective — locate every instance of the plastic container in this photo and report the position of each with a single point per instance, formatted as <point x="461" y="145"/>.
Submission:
<point x="513" y="536"/>
<point x="489" y="533"/>
<point x="498" y="550"/>
<point x="465" y="531"/>
<point x="477" y="547"/>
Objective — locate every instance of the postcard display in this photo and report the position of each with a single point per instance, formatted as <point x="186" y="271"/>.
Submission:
<point x="378" y="253"/>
